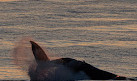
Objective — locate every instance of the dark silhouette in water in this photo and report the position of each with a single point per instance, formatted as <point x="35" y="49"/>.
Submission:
<point x="65" y="69"/>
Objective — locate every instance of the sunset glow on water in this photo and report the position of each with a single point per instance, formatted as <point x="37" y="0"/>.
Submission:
<point x="7" y="0"/>
<point x="101" y="32"/>
<point x="9" y="73"/>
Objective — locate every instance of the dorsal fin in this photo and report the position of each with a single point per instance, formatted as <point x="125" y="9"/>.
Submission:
<point x="38" y="52"/>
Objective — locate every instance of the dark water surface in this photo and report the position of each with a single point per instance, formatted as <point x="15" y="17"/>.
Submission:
<point x="101" y="32"/>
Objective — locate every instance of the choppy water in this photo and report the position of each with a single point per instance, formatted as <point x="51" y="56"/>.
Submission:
<point x="101" y="32"/>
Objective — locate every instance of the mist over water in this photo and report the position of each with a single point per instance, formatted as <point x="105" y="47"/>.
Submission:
<point x="22" y="54"/>
<point x="101" y="32"/>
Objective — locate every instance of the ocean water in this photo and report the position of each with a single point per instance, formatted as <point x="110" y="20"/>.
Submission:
<point x="101" y="32"/>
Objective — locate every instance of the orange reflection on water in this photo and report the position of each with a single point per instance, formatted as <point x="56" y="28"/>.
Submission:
<point x="98" y="19"/>
<point x="7" y="0"/>
<point x="65" y="43"/>
<point x="12" y="73"/>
